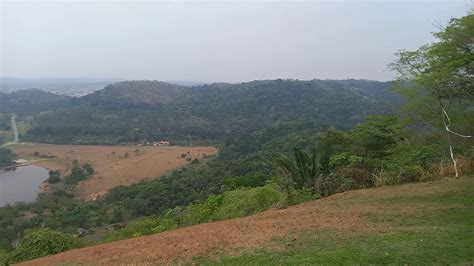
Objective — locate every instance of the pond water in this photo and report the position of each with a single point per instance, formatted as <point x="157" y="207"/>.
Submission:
<point x="21" y="184"/>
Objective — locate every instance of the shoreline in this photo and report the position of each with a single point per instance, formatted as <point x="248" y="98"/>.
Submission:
<point x="6" y="168"/>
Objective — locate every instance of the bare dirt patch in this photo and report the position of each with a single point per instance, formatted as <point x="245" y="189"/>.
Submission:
<point x="114" y="165"/>
<point x="345" y="212"/>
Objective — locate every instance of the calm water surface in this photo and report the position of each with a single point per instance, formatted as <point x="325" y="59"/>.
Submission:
<point x="21" y="184"/>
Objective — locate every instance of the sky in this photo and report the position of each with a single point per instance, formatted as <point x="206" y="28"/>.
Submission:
<point x="222" y="41"/>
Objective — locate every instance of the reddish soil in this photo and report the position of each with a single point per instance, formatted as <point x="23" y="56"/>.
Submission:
<point x="345" y="211"/>
<point x="112" y="167"/>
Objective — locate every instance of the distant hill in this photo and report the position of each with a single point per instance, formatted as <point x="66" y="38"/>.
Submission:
<point x="134" y="92"/>
<point x="61" y="86"/>
<point x="31" y="100"/>
<point x="135" y="111"/>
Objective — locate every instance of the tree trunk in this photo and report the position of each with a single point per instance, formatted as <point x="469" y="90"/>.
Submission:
<point x="447" y="123"/>
<point x="317" y="185"/>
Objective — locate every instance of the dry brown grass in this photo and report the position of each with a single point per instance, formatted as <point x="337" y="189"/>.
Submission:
<point x="465" y="166"/>
<point x="347" y="212"/>
<point x="112" y="168"/>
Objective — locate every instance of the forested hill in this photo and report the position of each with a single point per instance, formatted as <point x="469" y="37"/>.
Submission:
<point x="143" y="92"/>
<point x="135" y="111"/>
<point x="31" y="100"/>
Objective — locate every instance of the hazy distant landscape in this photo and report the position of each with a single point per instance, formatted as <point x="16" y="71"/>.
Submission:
<point x="68" y="87"/>
<point x="73" y="87"/>
<point x="237" y="133"/>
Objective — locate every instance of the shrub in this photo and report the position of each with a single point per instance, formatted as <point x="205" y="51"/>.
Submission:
<point x="137" y="228"/>
<point x="247" y="201"/>
<point x="249" y="180"/>
<point x="169" y="221"/>
<point x="231" y="204"/>
<point x="304" y="195"/>
<point x="203" y="212"/>
<point x="54" y="177"/>
<point x="79" y="173"/>
<point x="383" y="178"/>
<point x="4" y="256"/>
<point x="410" y="173"/>
<point x="42" y="242"/>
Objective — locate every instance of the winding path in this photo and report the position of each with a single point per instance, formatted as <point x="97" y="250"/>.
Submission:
<point x="15" y="130"/>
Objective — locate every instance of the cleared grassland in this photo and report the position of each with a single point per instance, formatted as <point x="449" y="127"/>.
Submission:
<point x="114" y="165"/>
<point x="425" y="223"/>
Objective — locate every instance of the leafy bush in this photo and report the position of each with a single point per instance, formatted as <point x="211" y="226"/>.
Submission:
<point x="247" y="201"/>
<point x="42" y="242"/>
<point x="203" y="212"/>
<point x="410" y="173"/>
<point x="54" y="177"/>
<point x="249" y="180"/>
<point x="231" y="204"/>
<point x="6" y="157"/>
<point x="4" y="256"/>
<point x="304" y="195"/>
<point x="137" y="228"/>
<point x="79" y="173"/>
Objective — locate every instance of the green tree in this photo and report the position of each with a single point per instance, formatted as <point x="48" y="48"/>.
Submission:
<point x="304" y="169"/>
<point x="376" y="136"/>
<point x="54" y="177"/>
<point x="42" y="242"/>
<point x="6" y="157"/>
<point x="438" y="78"/>
<point x="88" y="169"/>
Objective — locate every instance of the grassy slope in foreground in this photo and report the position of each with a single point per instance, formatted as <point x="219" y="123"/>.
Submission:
<point x="421" y="223"/>
<point x="429" y="227"/>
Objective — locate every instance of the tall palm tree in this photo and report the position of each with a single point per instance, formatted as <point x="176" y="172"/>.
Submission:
<point x="304" y="170"/>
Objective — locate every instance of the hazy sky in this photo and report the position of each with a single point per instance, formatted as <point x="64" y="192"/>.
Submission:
<point x="214" y="41"/>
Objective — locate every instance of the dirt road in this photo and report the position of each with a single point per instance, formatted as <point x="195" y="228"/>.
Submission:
<point x="15" y="130"/>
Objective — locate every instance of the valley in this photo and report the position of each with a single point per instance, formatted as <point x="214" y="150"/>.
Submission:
<point x="114" y="165"/>
<point x="301" y="133"/>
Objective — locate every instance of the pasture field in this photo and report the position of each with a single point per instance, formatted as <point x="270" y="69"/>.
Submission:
<point x="114" y="165"/>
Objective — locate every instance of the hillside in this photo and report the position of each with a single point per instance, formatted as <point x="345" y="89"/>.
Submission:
<point x="134" y="92"/>
<point x="137" y="111"/>
<point x="31" y="100"/>
<point x="422" y="223"/>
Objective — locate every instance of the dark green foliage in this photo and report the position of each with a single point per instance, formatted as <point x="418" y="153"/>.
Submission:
<point x="6" y="157"/>
<point x="42" y="242"/>
<point x="54" y="177"/>
<point x="375" y="138"/>
<point x="439" y="234"/>
<point x="5" y="122"/>
<point x="209" y="113"/>
<point x="252" y="123"/>
<point x="78" y="173"/>
<point x="249" y="180"/>
<point x="243" y="162"/>
<point x="88" y="169"/>
<point x="179" y="188"/>
<point x="304" y="170"/>
<point x="436" y="81"/>
<point x="59" y="211"/>
<point x="32" y="100"/>
<point x="230" y="204"/>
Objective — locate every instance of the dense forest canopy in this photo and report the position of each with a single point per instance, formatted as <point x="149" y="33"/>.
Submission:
<point x="138" y="111"/>
<point x="30" y="101"/>
<point x="281" y="142"/>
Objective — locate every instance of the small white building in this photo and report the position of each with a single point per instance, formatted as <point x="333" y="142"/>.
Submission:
<point x="161" y="143"/>
<point x="21" y="161"/>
